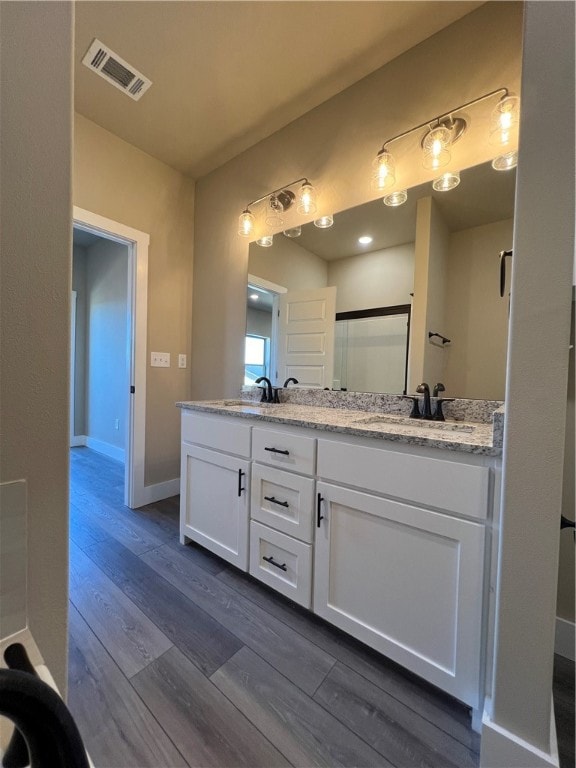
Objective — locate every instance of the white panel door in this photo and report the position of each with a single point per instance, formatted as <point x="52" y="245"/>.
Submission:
<point x="406" y="581"/>
<point x="306" y="336"/>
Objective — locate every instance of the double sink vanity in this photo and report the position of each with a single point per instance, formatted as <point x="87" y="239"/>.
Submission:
<point x="381" y="524"/>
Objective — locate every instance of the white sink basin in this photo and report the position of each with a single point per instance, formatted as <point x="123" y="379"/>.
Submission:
<point x="402" y="421"/>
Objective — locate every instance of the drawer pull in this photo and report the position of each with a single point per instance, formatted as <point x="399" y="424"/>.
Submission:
<point x="277" y="450"/>
<point x="272" y="562"/>
<point x="275" y="501"/>
<point x="240" y="476"/>
<point x="319" y="515"/>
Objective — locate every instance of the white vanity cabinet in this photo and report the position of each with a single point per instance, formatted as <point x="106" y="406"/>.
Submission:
<point x="282" y="501"/>
<point x="215" y="485"/>
<point x="385" y="541"/>
<point x="395" y="567"/>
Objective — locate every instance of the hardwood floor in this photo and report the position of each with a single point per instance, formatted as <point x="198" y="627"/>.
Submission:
<point x="177" y="659"/>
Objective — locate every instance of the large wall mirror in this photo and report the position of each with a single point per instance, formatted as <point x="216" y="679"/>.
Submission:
<point x="420" y="301"/>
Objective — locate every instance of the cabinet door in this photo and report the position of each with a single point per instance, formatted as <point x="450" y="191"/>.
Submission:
<point x="406" y="581"/>
<point x="214" y="502"/>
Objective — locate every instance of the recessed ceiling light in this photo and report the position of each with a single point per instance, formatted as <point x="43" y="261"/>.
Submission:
<point x="254" y="296"/>
<point x="365" y="240"/>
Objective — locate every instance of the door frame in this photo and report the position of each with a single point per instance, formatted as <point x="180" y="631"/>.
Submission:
<point x="137" y="302"/>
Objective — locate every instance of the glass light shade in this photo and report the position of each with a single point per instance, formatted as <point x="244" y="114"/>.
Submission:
<point x="505" y="162"/>
<point x="395" y="198"/>
<point x="245" y="223"/>
<point x="447" y="181"/>
<point x="265" y="241"/>
<point x="504" y="121"/>
<point x="383" y="171"/>
<point x="306" y="199"/>
<point x="324" y="222"/>
<point x="275" y="208"/>
<point x="435" y="146"/>
<point x="293" y="232"/>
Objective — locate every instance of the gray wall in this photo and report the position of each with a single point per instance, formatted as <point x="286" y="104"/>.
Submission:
<point x="476" y="316"/>
<point x="36" y="199"/>
<point x="378" y="279"/>
<point x="107" y="348"/>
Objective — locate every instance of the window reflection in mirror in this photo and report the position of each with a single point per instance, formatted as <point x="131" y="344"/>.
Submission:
<point x="444" y="251"/>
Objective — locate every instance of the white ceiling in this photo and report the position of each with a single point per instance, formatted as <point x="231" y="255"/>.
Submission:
<point x="227" y="74"/>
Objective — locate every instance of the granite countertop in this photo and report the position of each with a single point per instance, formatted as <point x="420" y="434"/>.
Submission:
<point x="478" y="437"/>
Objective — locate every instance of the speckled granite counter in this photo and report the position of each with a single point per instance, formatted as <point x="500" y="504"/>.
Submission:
<point x="476" y="433"/>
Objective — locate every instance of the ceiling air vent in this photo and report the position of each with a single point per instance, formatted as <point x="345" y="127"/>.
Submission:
<point x="100" y="59"/>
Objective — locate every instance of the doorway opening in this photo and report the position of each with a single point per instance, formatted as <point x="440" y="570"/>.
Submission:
<point x="261" y="340"/>
<point x="109" y="323"/>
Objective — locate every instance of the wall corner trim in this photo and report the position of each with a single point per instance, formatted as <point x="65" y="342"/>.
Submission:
<point x="501" y="748"/>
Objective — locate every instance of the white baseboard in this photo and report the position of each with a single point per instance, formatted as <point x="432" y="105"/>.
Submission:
<point x="106" y="448"/>
<point x="565" y="638"/>
<point x="501" y="748"/>
<point x="77" y="440"/>
<point x="152" y="493"/>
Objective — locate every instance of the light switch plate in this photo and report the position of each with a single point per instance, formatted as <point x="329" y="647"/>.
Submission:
<point x="160" y="359"/>
<point x="181" y="361"/>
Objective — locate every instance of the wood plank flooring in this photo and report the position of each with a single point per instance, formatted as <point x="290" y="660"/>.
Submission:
<point x="177" y="659"/>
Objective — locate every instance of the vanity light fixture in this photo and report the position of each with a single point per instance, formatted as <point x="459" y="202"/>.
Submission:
<point x="505" y="162"/>
<point x="324" y="222"/>
<point x="246" y="223"/>
<point x="293" y="232"/>
<point x="365" y="240"/>
<point x="307" y="199"/>
<point x="504" y="121"/>
<point x="441" y="134"/>
<point x="254" y="296"/>
<point x="278" y="201"/>
<point x="447" y="181"/>
<point x="394" y="199"/>
<point x="383" y="171"/>
<point x="436" y="147"/>
<point x="265" y="241"/>
<point x="274" y="211"/>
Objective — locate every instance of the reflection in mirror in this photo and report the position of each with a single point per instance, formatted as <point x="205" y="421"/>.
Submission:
<point x="371" y="349"/>
<point x="438" y="253"/>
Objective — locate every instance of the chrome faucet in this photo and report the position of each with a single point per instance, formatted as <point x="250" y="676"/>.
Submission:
<point x="267" y="395"/>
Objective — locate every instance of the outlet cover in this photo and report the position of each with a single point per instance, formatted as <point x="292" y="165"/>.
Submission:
<point x="160" y="359"/>
<point x="182" y="361"/>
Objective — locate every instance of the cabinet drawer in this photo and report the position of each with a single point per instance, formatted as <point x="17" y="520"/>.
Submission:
<point x="282" y="562"/>
<point x="284" y="450"/>
<point x="229" y="435"/>
<point x="455" y="487"/>
<point x="282" y="500"/>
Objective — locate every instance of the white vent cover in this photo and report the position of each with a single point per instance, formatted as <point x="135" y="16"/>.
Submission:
<point x="100" y="59"/>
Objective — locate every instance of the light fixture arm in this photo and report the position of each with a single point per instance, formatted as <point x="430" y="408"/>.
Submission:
<point x="276" y="191"/>
<point x="438" y="120"/>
